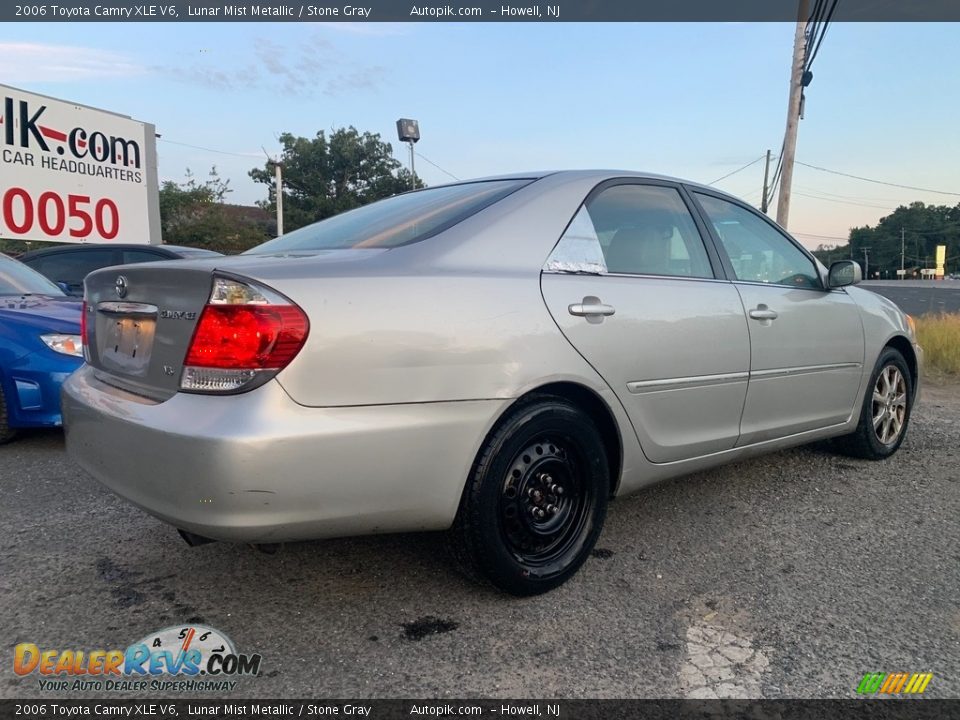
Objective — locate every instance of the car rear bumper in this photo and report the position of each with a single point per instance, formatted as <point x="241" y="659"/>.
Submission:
<point x="257" y="467"/>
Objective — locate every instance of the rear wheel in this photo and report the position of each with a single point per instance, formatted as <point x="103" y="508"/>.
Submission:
<point x="536" y="498"/>
<point x="886" y="410"/>
<point x="6" y="432"/>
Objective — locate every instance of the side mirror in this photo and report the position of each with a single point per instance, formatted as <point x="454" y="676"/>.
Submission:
<point x="843" y="273"/>
<point x="64" y="286"/>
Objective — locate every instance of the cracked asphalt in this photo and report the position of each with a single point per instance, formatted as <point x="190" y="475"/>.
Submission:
<point x="789" y="575"/>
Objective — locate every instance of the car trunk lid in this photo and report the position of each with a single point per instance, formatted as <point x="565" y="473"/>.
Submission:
<point x="140" y="320"/>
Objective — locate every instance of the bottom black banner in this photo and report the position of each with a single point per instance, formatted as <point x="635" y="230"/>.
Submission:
<point x="894" y="709"/>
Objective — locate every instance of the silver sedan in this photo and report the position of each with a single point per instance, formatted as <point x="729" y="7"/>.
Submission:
<point x="496" y="358"/>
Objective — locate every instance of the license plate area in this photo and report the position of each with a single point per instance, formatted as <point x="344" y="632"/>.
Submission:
<point x="125" y="333"/>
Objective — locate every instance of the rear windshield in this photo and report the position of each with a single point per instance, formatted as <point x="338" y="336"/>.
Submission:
<point x="399" y="220"/>
<point x="17" y="279"/>
<point x="196" y="252"/>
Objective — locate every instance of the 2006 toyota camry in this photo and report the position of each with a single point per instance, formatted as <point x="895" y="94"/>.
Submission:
<point x="495" y="357"/>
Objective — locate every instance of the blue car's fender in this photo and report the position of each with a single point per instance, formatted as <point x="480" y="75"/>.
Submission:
<point x="30" y="372"/>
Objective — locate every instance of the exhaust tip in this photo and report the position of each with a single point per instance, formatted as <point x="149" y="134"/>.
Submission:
<point x="192" y="539"/>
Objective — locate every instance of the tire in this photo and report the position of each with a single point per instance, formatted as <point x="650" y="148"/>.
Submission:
<point x="885" y="414"/>
<point x="536" y="498"/>
<point x="6" y="432"/>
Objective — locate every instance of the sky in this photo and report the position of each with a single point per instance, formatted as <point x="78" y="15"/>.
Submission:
<point x="695" y="101"/>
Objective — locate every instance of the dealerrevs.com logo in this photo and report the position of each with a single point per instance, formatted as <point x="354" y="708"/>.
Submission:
<point x="180" y="658"/>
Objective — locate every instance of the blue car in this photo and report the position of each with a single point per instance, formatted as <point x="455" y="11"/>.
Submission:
<point x="40" y="346"/>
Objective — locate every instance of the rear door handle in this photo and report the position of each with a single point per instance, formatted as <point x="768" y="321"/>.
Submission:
<point x="762" y="312"/>
<point x="592" y="309"/>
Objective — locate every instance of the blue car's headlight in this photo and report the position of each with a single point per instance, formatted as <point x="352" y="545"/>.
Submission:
<point x="66" y="344"/>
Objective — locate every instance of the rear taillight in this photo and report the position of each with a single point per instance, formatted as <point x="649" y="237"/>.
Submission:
<point x="245" y="335"/>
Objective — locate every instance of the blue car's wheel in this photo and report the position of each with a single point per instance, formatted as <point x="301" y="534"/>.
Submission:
<point x="6" y="432"/>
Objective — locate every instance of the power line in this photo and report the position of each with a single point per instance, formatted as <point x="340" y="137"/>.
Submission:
<point x="878" y="182"/>
<point x="776" y="172"/>
<point x="752" y="162"/>
<point x="822" y="237"/>
<point x="431" y="162"/>
<point x="843" y="202"/>
<point x="219" y="152"/>
<point x="819" y="29"/>
<point x="858" y="198"/>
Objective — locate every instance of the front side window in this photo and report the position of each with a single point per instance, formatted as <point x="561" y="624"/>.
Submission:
<point x="756" y="250"/>
<point x="399" y="220"/>
<point x="633" y="230"/>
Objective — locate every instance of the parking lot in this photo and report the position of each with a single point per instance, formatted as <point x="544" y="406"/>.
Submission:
<point x="786" y="576"/>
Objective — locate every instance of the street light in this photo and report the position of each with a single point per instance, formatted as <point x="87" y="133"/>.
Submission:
<point x="409" y="132"/>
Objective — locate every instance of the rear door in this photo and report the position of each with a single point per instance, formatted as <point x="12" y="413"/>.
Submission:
<point x="807" y="341"/>
<point x="634" y="288"/>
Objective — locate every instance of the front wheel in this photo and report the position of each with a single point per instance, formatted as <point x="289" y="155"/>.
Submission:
<point x="885" y="413"/>
<point x="536" y="498"/>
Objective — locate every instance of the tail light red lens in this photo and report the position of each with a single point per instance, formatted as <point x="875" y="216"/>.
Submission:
<point x="246" y="334"/>
<point x="247" y="337"/>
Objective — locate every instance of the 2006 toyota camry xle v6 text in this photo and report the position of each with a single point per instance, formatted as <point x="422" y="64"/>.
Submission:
<point x="496" y="358"/>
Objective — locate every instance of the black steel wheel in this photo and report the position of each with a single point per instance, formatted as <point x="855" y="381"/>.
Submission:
<point x="885" y="413"/>
<point x="536" y="499"/>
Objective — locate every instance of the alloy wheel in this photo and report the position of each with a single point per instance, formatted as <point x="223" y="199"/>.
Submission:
<point x="889" y="404"/>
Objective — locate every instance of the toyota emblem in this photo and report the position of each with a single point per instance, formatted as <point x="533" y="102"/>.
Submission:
<point x="121" y="286"/>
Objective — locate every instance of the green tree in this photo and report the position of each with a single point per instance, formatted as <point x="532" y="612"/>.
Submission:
<point x="196" y="214"/>
<point x="915" y="229"/>
<point x="324" y="176"/>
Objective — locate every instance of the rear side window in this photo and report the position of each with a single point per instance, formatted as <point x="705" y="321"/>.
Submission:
<point x="634" y="230"/>
<point x="399" y="220"/>
<point x="141" y="256"/>
<point x="72" y="267"/>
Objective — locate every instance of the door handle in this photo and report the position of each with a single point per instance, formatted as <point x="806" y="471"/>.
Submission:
<point x="762" y="312"/>
<point x="592" y="309"/>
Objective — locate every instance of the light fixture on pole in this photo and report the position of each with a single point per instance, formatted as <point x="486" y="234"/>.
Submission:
<point x="409" y="132"/>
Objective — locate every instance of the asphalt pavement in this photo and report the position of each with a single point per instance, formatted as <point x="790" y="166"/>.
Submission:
<point x="918" y="297"/>
<point x="805" y="569"/>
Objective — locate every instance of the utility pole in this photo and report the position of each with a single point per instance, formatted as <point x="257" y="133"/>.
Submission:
<point x="279" y="182"/>
<point x="765" y="201"/>
<point x="793" y="113"/>
<point x="903" y="267"/>
<point x="866" y="263"/>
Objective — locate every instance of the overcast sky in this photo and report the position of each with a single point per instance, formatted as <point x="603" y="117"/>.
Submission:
<point x="692" y="100"/>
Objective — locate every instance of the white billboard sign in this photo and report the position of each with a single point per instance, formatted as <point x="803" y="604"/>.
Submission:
<point x="71" y="173"/>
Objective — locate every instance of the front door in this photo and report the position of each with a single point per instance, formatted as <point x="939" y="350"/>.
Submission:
<point x="806" y="341"/>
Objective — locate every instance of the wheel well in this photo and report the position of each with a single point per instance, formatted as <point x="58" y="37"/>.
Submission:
<point x="600" y="413"/>
<point x="903" y="346"/>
